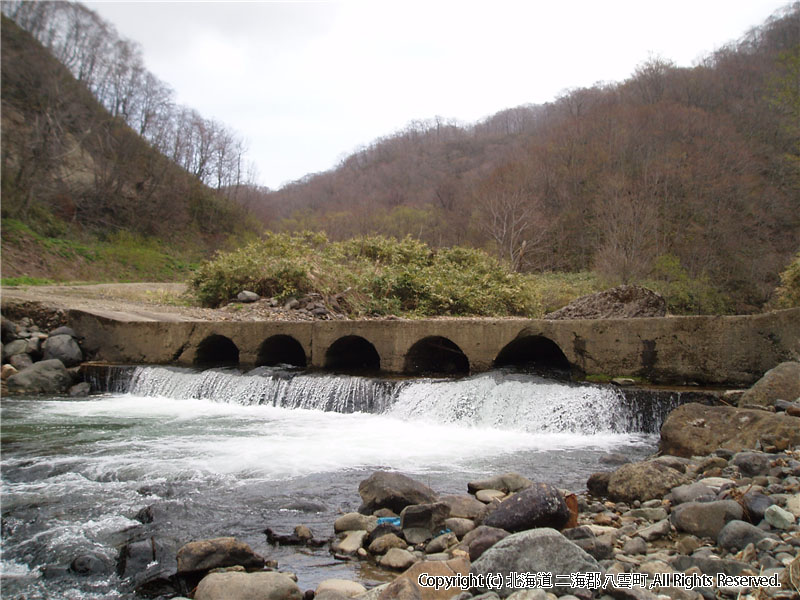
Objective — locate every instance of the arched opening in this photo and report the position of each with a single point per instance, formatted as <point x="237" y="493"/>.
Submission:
<point x="436" y="355"/>
<point x="280" y="349"/>
<point x="352" y="353"/>
<point x="534" y="352"/>
<point x="216" y="351"/>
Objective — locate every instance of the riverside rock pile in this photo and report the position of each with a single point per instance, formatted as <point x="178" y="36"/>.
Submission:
<point x="35" y="362"/>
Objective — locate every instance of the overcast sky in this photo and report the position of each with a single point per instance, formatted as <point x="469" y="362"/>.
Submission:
<point x="307" y="83"/>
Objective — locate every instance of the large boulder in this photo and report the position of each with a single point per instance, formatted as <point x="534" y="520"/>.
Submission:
<point x="697" y="430"/>
<point x="780" y="383"/>
<point x="247" y="586"/>
<point x="64" y="348"/>
<point x="433" y="568"/>
<point x="621" y="302"/>
<point x="643" y="481"/>
<point x="540" y="505"/>
<point x="210" y="554"/>
<point x="44" y="377"/>
<point x="394" y="491"/>
<point x="534" y="551"/>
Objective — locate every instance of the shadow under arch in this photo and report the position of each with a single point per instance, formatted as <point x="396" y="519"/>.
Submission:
<point x="281" y="349"/>
<point x="436" y="355"/>
<point x="535" y="352"/>
<point x="216" y="351"/>
<point x="352" y="353"/>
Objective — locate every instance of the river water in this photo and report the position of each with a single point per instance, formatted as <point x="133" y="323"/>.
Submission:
<point x="221" y="453"/>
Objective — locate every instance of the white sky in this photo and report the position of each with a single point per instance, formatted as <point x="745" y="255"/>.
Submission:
<point x="307" y="83"/>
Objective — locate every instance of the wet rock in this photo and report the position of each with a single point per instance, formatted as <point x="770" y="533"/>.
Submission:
<point x="534" y="551"/>
<point x="350" y="543"/>
<point x="737" y="534"/>
<point x="44" y="377"/>
<point x="88" y="564"/>
<point x="395" y="491"/>
<point x="507" y="482"/>
<point x="63" y="348"/>
<point x="697" y="430"/>
<point x="441" y="543"/>
<point x="210" y="554"/>
<point x="540" y="505"/>
<point x="400" y="589"/>
<point x="705" y="519"/>
<point x="80" y="390"/>
<point x="621" y="302"/>
<point x="252" y="586"/>
<point x="487" y="496"/>
<point x="385" y="543"/>
<point x="643" y="481"/>
<point x="781" y="382"/>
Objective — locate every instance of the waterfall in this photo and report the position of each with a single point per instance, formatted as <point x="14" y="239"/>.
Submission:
<point x="499" y="399"/>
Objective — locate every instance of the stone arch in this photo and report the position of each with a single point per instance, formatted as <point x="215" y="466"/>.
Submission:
<point x="281" y="349"/>
<point x="352" y="353"/>
<point x="436" y="355"/>
<point x="216" y="351"/>
<point x="535" y="351"/>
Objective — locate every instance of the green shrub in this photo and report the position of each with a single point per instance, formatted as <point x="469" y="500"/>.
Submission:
<point x="685" y="295"/>
<point x="788" y="293"/>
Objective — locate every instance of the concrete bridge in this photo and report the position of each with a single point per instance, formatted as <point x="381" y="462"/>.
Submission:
<point x="731" y="350"/>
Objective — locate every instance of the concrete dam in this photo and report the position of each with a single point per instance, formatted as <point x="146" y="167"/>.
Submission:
<point x="709" y="350"/>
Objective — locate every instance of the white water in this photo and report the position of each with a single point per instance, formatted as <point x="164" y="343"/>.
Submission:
<point x="220" y="453"/>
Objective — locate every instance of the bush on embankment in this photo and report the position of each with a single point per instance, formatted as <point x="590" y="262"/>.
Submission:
<point x="371" y="275"/>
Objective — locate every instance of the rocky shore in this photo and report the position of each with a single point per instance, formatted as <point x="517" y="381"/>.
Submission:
<point x="686" y="524"/>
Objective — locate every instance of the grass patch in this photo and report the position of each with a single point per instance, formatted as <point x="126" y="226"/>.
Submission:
<point x="25" y="280"/>
<point x="557" y="289"/>
<point x="371" y="276"/>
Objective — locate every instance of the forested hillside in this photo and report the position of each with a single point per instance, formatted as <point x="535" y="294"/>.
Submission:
<point x="85" y="195"/>
<point x="677" y="176"/>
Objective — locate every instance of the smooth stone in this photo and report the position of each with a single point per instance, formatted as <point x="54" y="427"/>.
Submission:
<point x="460" y="527"/>
<point x="643" y="481"/>
<point x="705" y="519"/>
<point x="386" y="489"/>
<point x="204" y="555"/>
<point x="655" y="531"/>
<point x="350" y="544"/>
<point x="247" y="296"/>
<point x="737" y="534"/>
<point x="486" y="496"/>
<point x="345" y="587"/>
<point x="247" y="586"/>
<point x="398" y="559"/>
<point x="355" y="522"/>
<point x="692" y="492"/>
<point x="793" y="505"/>
<point x="64" y="348"/>
<point x="386" y="542"/>
<point x="539" y="505"/>
<point x="635" y="545"/>
<point x="778" y="517"/>
<point x="648" y="514"/>
<point x="507" y="482"/>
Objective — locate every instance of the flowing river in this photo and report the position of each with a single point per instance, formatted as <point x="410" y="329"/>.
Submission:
<point x="221" y="453"/>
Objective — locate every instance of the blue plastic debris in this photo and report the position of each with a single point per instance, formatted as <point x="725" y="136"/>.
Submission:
<point x="389" y="520"/>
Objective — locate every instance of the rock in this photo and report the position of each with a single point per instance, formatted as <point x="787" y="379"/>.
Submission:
<point x="247" y="296"/>
<point x="44" y="377"/>
<point x="755" y="504"/>
<point x="247" y="586"/>
<point x="210" y="554"/>
<point x="400" y="589"/>
<point x="696" y="430"/>
<point x="635" y="545"/>
<point x="540" y="505"/>
<point x="643" y="481"/>
<point x="648" y="514"/>
<point x="21" y="361"/>
<point x="355" y="522"/>
<point x="705" y="519"/>
<point x="428" y="519"/>
<point x="752" y="463"/>
<point x="778" y="517"/>
<point x="385" y="543"/>
<point x="7" y="371"/>
<point x="437" y="568"/>
<point x="397" y="558"/>
<point x="691" y="492"/>
<point x="464" y="506"/>
<point x="535" y="551"/>
<point x="345" y="587"/>
<point x="480" y="539"/>
<point x="793" y="505"/>
<point x="303" y="532"/>
<point x="384" y="489"/>
<point x="88" y="564"/>
<point x="507" y="482"/>
<point x="710" y="566"/>
<point x="486" y="496"/>
<point x="781" y="382"/>
<point x="623" y="381"/>
<point x="80" y="390"/>
<point x="381" y="530"/>
<point x="459" y="526"/>
<point x="621" y="302"/>
<point x="9" y="330"/>
<point x="737" y="534"/>
<point x="441" y="543"/>
<point x="655" y="531"/>
<point x="597" y="483"/>
<point x="595" y="547"/>
<point x="64" y="348"/>
<point x="351" y="542"/>
<point x="14" y="348"/>
<point x="64" y="330"/>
